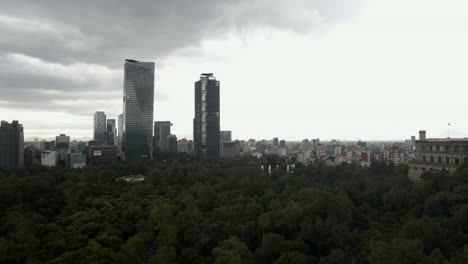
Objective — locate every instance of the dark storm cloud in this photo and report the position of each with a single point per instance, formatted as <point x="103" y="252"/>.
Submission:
<point x="106" y="31"/>
<point x="65" y="36"/>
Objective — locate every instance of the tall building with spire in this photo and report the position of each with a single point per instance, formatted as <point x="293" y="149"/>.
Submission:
<point x="138" y="106"/>
<point x="206" y="124"/>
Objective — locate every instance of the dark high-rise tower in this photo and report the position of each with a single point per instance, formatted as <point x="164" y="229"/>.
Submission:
<point x="206" y="124"/>
<point x="11" y="145"/>
<point x="138" y="105"/>
<point x="162" y="129"/>
<point x="111" y="132"/>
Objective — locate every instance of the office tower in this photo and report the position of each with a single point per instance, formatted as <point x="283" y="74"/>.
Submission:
<point x="162" y="129"/>
<point x="275" y="141"/>
<point x="282" y="143"/>
<point x="62" y="145"/>
<point x="101" y="154"/>
<point x="172" y="144"/>
<point x="120" y="132"/>
<point x="111" y="132"/>
<point x="185" y="146"/>
<point x="29" y="157"/>
<point x="100" y="129"/>
<point x="206" y="124"/>
<point x="49" y="145"/>
<point x="11" y="145"/>
<point x="138" y="105"/>
<point x="62" y="142"/>
<point x="226" y="136"/>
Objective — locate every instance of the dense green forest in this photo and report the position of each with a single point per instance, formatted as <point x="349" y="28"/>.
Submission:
<point x="229" y="211"/>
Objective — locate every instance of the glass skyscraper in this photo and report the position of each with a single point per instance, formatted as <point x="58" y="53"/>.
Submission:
<point x="162" y="130"/>
<point x="111" y="132"/>
<point x="206" y="124"/>
<point x="138" y="105"/>
<point x="100" y="129"/>
<point x="120" y="130"/>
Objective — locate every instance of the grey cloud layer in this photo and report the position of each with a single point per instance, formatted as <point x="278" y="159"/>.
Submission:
<point x="81" y="44"/>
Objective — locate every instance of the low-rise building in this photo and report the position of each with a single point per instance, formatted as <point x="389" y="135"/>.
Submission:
<point x="230" y="149"/>
<point x="434" y="154"/>
<point x="77" y="160"/>
<point x="131" y="178"/>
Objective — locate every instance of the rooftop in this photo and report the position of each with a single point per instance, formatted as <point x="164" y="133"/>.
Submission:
<point x="440" y="140"/>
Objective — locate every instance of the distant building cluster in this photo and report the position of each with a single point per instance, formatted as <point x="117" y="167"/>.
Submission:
<point x="135" y="135"/>
<point x="331" y="153"/>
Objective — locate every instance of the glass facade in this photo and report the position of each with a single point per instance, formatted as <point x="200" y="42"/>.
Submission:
<point x="138" y="105"/>
<point x="120" y="132"/>
<point x="111" y="132"/>
<point x="100" y="129"/>
<point x="206" y="124"/>
<point x="162" y="130"/>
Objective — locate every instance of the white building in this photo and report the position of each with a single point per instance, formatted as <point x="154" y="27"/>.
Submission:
<point x="49" y="158"/>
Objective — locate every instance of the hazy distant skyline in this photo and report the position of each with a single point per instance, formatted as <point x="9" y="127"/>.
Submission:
<point x="344" y="69"/>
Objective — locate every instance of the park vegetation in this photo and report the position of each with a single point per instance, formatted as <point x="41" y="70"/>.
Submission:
<point x="230" y="211"/>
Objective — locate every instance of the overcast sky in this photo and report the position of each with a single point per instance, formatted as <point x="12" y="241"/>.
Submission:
<point x="344" y="69"/>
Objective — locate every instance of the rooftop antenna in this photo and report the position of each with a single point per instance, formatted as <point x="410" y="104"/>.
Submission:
<point x="448" y="130"/>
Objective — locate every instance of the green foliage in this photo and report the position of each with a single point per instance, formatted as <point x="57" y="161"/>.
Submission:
<point x="229" y="211"/>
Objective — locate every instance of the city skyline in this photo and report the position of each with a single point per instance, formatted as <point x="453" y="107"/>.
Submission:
<point x="348" y="70"/>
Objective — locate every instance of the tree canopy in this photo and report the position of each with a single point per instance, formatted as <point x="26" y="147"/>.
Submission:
<point x="229" y="211"/>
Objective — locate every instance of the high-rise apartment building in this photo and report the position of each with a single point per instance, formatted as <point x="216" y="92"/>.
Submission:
<point x="120" y="132"/>
<point x="111" y="132"/>
<point x="100" y="128"/>
<point x="206" y="124"/>
<point x="11" y="145"/>
<point x="138" y="106"/>
<point x="162" y="129"/>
